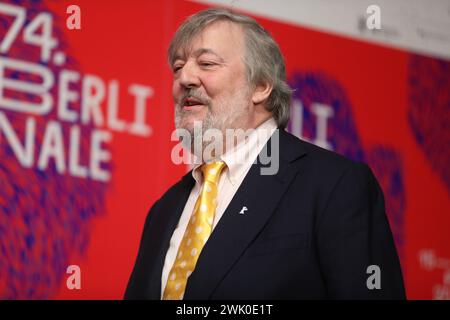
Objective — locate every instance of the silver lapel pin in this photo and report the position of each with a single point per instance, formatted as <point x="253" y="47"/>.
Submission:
<point x="243" y="210"/>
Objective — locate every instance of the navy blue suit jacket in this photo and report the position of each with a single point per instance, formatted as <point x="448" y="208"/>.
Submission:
<point x="310" y="232"/>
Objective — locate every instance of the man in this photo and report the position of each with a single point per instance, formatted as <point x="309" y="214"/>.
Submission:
<point x="313" y="228"/>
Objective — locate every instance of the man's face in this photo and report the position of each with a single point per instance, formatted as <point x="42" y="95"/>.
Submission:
<point x="210" y="82"/>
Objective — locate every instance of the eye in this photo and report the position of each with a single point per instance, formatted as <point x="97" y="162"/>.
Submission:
<point x="177" y="67"/>
<point x="206" y="64"/>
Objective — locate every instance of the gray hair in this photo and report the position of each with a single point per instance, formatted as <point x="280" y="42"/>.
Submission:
<point x="263" y="60"/>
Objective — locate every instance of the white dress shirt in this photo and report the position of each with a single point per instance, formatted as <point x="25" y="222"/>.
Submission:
<point x="238" y="162"/>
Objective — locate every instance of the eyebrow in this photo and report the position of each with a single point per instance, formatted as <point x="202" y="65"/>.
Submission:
<point x="199" y="52"/>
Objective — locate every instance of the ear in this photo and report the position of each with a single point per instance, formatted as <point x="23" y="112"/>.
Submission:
<point x="262" y="92"/>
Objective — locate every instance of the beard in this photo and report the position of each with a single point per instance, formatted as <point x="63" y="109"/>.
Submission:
<point x="219" y="117"/>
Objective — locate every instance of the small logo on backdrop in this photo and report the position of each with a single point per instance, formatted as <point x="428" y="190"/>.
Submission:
<point x="431" y="262"/>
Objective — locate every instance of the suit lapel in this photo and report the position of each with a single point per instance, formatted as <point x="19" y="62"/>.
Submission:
<point x="260" y="194"/>
<point x="170" y="213"/>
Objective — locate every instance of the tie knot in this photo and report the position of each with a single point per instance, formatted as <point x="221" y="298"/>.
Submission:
<point x="211" y="171"/>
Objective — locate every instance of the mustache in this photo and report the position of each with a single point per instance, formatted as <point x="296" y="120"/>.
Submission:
<point x="194" y="94"/>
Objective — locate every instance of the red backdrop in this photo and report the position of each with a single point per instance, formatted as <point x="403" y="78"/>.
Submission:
<point x="384" y="106"/>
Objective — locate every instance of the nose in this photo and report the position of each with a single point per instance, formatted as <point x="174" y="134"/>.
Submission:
<point x="188" y="76"/>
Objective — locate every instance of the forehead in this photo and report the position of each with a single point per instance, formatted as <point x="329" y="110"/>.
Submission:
<point x="224" y="38"/>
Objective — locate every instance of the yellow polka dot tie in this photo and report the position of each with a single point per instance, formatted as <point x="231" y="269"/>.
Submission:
<point x="197" y="232"/>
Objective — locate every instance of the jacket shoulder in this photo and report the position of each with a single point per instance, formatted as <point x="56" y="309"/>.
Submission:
<point x="318" y="156"/>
